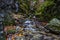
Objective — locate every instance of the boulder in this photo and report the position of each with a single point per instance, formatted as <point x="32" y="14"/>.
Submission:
<point x="54" y="26"/>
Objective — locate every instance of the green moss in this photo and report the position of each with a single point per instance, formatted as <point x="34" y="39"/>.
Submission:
<point x="11" y="31"/>
<point x="54" y="24"/>
<point x="54" y="27"/>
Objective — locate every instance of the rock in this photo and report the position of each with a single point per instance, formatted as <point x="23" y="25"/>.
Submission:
<point x="17" y="28"/>
<point x="30" y="29"/>
<point x="54" y="26"/>
<point x="29" y="23"/>
<point x="48" y="38"/>
<point x="38" y="37"/>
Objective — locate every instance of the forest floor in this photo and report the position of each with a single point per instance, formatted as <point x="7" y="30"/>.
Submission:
<point x="26" y="35"/>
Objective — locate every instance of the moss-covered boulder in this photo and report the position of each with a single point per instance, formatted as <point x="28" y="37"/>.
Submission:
<point x="54" y="26"/>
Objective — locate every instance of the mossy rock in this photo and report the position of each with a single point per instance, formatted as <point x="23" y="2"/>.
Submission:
<point x="54" y="26"/>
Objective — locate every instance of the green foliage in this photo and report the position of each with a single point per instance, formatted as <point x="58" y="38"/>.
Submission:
<point x="41" y="11"/>
<point x="8" y="21"/>
<point x="27" y="8"/>
<point x="43" y="6"/>
<point x="45" y="11"/>
<point x="11" y="31"/>
<point x="50" y="10"/>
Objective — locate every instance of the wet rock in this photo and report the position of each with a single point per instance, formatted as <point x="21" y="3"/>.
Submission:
<point x="48" y="38"/>
<point x="29" y="23"/>
<point x="30" y="29"/>
<point x="38" y="37"/>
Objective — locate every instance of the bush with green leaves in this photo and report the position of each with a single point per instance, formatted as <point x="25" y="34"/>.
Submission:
<point x="8" y="20"/>
<point x="11" y="31"/>
<point x="28" y="7"/>
<point x="43" y="11"/>
<point x="40" y="10"/>
<point x="50" y="10"/>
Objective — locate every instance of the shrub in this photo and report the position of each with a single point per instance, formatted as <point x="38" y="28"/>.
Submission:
<point x="11" y="31"/>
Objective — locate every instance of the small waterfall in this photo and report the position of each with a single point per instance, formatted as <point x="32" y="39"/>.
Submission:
<point x="29" y="25"/>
